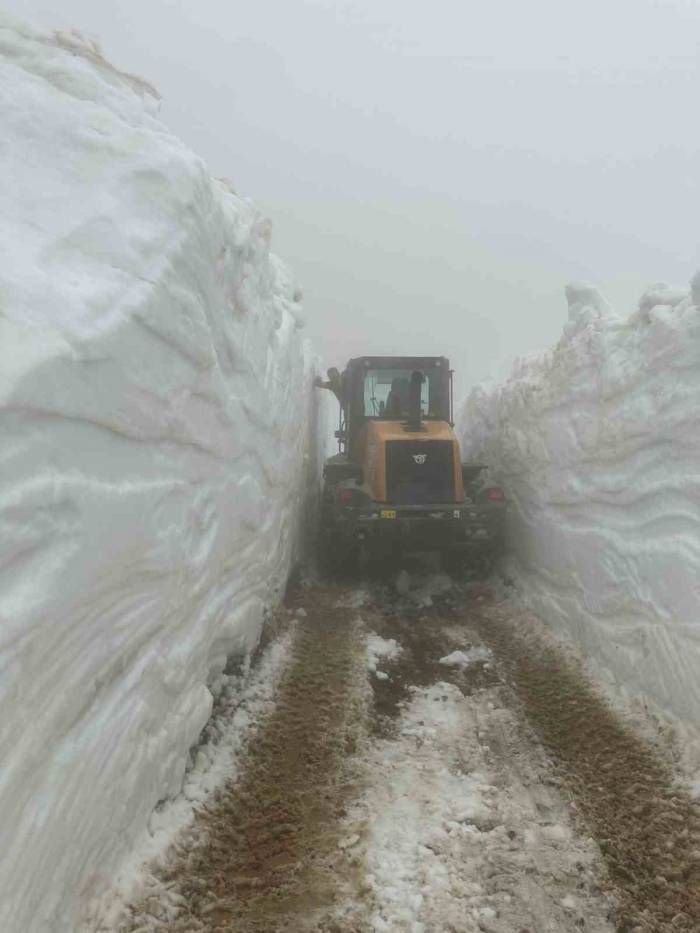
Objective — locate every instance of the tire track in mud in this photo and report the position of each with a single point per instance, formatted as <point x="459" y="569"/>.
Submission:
<point x="420" y="633"/>
<point x="271" y="858"/>
<point x="486" y="840"/>
<point x="647" y="827"/>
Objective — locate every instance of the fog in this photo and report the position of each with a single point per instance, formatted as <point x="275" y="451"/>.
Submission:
<point x="435" y="173"/>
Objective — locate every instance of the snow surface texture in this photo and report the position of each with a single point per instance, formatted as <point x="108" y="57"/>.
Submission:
<point x="380" y="649"/>
<point x="477" y="654"/>
<point x="463" y="832"/>
<point x="597" y="443"/>
<point x="157" y="411"/>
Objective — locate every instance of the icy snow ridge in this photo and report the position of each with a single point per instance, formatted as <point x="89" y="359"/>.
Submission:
<point x="156" y="408"/>
<point x="597" y="442"/>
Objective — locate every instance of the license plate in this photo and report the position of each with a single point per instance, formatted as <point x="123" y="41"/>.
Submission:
<point x="388" y="513"/>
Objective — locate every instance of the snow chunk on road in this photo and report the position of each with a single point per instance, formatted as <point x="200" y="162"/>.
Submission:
<point x="380" y="649"/>
<point x="475" y="655"/>
<point x="420" y="587"/>
<point x="354" y="599"/>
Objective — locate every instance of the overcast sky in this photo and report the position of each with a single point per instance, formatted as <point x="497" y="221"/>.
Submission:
<point x="435" y="171"/>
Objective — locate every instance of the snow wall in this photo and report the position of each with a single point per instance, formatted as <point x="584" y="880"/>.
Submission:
<point x="158" y="458"/>
<point x="597" y="443"/>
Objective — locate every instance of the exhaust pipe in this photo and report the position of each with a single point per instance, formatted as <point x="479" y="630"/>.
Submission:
<point x="414" y="394"/>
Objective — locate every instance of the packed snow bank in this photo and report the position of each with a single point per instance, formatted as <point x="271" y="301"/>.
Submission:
<point x="598" y="445"/>
<point x="157" y="418"/>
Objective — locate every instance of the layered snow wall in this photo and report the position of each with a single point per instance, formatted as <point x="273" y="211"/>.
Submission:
<point x="157" y="458"/>
<point x="598" y="445"/>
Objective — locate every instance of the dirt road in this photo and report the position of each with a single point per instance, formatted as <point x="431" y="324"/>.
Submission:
<point x="430" y="765"/>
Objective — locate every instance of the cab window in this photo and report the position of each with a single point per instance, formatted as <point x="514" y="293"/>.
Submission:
<point x="386" y="394"/>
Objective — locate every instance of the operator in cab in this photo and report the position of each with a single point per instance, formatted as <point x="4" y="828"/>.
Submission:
<point x="397" y="400"/>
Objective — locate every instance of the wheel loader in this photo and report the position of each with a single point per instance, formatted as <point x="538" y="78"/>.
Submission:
<point x="398" y="482"/>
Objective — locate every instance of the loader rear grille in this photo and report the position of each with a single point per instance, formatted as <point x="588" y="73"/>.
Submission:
<point x="419" y="472"/>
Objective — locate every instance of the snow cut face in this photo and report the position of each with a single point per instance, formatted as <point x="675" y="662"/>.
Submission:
<point x="158" y="423"/>
<point x="597" y="443"/>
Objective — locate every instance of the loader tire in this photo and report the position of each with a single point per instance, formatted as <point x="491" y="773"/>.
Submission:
<point x="336" y="559"/>
<point x="464" y="567"/>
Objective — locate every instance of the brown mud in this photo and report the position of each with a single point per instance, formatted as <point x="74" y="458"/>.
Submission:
<point x="273" y="855"/>
<point x="271" y="860"/>
<point x="647" y="827"/>
<point x="421" y="634"/>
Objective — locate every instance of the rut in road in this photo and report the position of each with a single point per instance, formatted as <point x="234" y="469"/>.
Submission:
<point x="599" y="809"/>
<point x="270" y="857"/>
<point x="467" y="830"/>
<point x="646" y="825"/>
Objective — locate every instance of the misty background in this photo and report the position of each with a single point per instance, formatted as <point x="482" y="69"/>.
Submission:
<point x="435" y="172"/>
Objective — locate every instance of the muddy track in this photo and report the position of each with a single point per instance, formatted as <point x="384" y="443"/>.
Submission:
<point x="421" y="635"/>
<point x="648" y="829"/>
<point x="271" y="857"/>
<point x="646" y="826"/>
<point x="273" y="854"/>
<point x="520" y="853"/>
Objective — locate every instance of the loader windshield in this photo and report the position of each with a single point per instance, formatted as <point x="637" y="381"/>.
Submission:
<point x="386" y="394"/>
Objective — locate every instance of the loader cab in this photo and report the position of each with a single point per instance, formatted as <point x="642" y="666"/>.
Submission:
<point x="378" y="388"/>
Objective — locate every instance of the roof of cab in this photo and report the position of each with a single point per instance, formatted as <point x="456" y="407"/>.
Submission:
<point x="400" y="362"/>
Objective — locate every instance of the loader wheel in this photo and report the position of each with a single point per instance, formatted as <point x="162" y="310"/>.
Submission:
<point x="463" y="566"/>
<point x="335" y="558"/>
<point x="481" y="566"/>
<point x="454" y="563"/>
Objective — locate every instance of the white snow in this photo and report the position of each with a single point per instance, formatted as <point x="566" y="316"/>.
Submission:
<point x="380" y="649"/>
<point x="422" y="584"/>
<point x="476" y="654"/>
<point x="432" y="584"/>
<point x="597" y="443"/>
<point x="157" y="410"/>
<point x="460" y="832"/>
